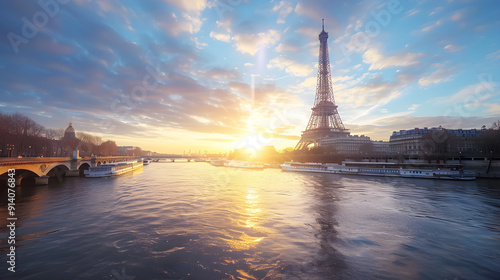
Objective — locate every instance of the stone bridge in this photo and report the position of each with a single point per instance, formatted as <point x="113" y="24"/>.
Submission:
<point x="41" y="169"/>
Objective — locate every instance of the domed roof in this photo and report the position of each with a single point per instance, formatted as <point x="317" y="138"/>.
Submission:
<point x="69" y="132"/>
<point x="70" y="128"/>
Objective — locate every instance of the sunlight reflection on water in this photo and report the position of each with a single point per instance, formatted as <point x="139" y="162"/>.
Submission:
<point x="196" y="221"/>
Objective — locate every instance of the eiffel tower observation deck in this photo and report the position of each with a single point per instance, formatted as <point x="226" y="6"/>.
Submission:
<point x="325" y="120"/>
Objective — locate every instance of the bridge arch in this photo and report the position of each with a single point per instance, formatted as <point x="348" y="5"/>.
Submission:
<point x="58" y="171"/>
<point x="84" y="166"/>
<point x="23" y="177"/>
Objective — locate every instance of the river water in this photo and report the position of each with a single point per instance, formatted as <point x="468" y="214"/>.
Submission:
<point x="196" y="221"/>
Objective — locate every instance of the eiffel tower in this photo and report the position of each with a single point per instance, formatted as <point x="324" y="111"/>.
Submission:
<point x="325" y="120"/>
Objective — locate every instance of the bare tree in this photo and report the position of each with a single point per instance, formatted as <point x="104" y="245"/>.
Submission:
<point x="108" y="148"/>
<point x="52" y="134"/>
<point x="89" y="138"/>
<point x="35" y="129"/>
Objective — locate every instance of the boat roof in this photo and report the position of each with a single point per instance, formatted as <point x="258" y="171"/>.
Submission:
<point x="400" y="164"/>
<point x="118" y="163"/>
<point x="368" y="163"/>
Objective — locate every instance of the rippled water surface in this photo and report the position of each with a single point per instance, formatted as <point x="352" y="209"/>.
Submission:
<point x="196" y="221"/>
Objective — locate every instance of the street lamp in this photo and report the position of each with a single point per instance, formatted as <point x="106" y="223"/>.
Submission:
<point x="10" y="147"/>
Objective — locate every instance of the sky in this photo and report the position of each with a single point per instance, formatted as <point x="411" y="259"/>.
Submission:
<point x="178" y="76"/>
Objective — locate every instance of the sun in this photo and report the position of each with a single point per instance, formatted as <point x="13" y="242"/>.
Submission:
<point x="257" y="127"/>
<point x="251" y="143"/>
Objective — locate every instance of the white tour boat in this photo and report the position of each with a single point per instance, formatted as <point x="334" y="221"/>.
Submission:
<point x="217" y="162"/>
<point x="386" y="169"/>
<point x="243" y="164"/>
<point x="112" y="169"/>
<point x="147" y="161"/>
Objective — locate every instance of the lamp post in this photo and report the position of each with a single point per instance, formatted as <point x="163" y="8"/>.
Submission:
<point x="10" y="147"/>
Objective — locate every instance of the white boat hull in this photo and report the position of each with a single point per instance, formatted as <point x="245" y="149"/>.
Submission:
<point x="111" y="170"/>
<point x="244" y="164"/>
<point x="379" y="172"/>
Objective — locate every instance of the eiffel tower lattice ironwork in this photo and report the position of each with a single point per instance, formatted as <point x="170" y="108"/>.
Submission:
<point x="325" y="119"/>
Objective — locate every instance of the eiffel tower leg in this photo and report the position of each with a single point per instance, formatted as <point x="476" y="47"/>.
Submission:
<point x="303" y="144"/>
<point x="299" y="146"/>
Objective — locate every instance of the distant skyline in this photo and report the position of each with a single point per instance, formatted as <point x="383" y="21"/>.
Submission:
<point x="178" y="75"/>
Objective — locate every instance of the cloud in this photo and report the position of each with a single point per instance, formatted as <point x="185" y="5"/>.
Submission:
<point x="439" y="76"/>
<point x="251" y="43"/>
<point x="494" y="55"/>
<point x="320" y="9"/>
<point x="481" y="28"/>
<point x="431" y="26"/>
<point x="493" y="108"/>
<point x="176" y="26"/>
<point x="458" y="15"/>
<point x="379" y="61"/>
<point x="221" y="37"/>
<point x="194" y="6"/>
<point x="435" y="11"/>
<point x="91" y="74"/>
<point x="309" y="84"/>
<point x="373" y="93"/>
<point x="308" y="31"/>
<point x="225" y="23"/>
<point x="219" y="73"/>
<point x="413" y="107"/>
<point x="412" y="12"/>
<point x="471" y="95"/>
<point x="452" y="48"/>
<point x="287" y="48"/>
<point x="341" y="79"/>
<point x="284" y="9"/>
<point x="198" y="44"/>
<point x="290" y="66"/>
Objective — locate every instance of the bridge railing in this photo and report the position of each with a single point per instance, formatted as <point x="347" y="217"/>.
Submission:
<point x="29" y="160"/>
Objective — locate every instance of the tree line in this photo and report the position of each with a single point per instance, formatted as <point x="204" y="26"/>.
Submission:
<point x="22" y="136"/>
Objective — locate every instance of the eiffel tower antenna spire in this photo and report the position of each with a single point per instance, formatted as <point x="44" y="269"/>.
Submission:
<point x="325" y="120"/>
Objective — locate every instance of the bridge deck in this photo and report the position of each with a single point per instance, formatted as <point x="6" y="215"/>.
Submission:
<point x="39" y="160"/>
<point x="18" y="161"/>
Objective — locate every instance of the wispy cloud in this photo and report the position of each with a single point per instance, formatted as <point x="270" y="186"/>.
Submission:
<point x="431" y="26"/>
<point x="441" y="75"/>
<point x="494" y="55"/>
<point x="290" y="66"/>
<point x="250" y="43"/>
<point x="284" y="8"/>
<point x="452" y="48"/>
<point x="493" y="108"/>
<point x="413" y="107"/>
<point x="379" y="61"/>
<point x="287" y="48"/>
<point x="471" y="94"/>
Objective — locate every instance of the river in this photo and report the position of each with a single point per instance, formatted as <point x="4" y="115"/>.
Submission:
<point x="197" y="221"/>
